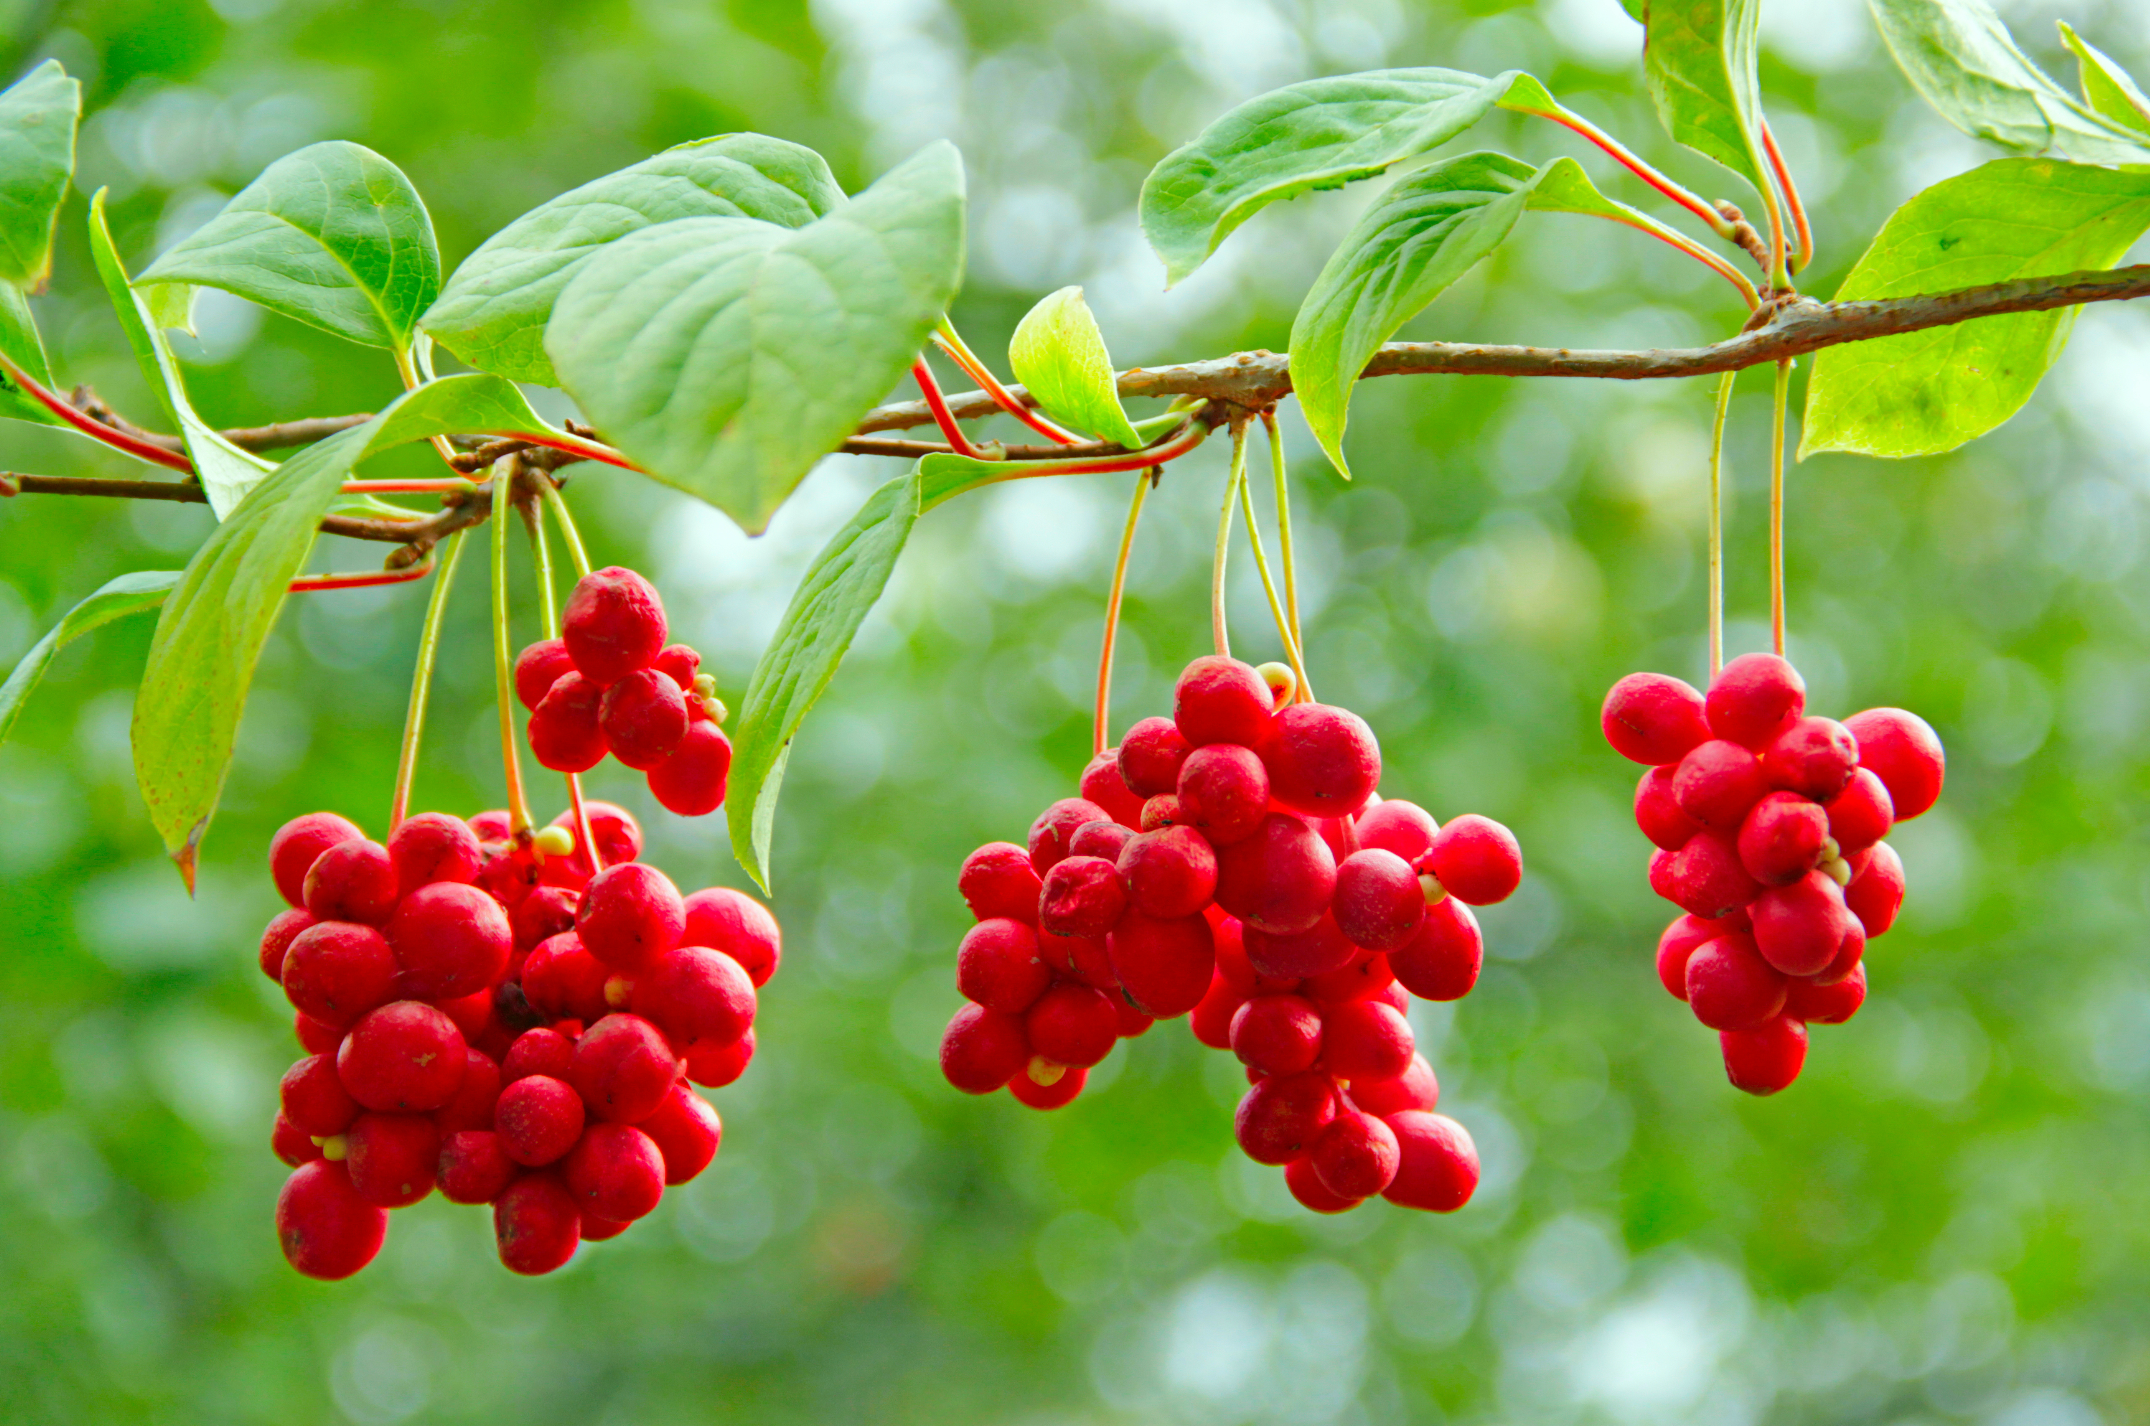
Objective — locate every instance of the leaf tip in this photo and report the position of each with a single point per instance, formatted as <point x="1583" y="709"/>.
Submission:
<point x="188" y="857"/>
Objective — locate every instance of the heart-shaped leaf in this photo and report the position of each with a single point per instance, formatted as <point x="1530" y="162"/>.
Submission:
<point x="727" y="355"/>
<point x="333" y="235"/>
<point x="225" y="471"/>
<point x="1699" y="59"/>
<point x="128" y="594"/>
<point x="38" y="114"/>
<point x="493" y="311"/>
<point x="2107" y="88"/>
<point x="210" y="635"/>
<point x="1059" y="356"/>
<point x="1924" y="392"/>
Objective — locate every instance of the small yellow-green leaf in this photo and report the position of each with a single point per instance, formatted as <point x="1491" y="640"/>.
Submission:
<point x="2107" y="88"/>
<point x="1059" y="355"/>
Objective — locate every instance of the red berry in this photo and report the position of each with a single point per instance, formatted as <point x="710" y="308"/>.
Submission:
<point x="1083" y="958"/>
<point x="1223" y="792"/>
<point x="1149" y="757"/>
<point x="1767" y="1057"/>
<point x="1365" y="1039"/>
<point x="1061" y="1092"/>
<point x="686" y="1131"/>
<point x="691" y="782"/>
<point x="1355" y="1155"/>
<point x="1101" y="839"/>
<point x="615" y="1172"/>
<point x="393" y="1158"/>
<point x="564" y="731"/>
<point x="1705" y="878"/>
<point x="284" y="928"/>
<point x="473" y="1167"/>
<point x="630" y="915"/>
<point x="1799" y="928"/>
<point x="336" y="971"/>
<point x="982" y="1049"/>
<point x="643" y="717"/>
<point x="1133" y="1022"/>
<point x="1657" y="810"/>
<point x="741" y="927"/>
<point x="1318" y="950"/>
<point x="623" y="1068"/>
<point x="1781" y="840"/>
<point x="1903" y="751"/>
<point x="1221" y="700"/>
<point x="1277" y="1034"/>
<point x="1314" y="1195"/>
<point x="316" y="1037"/>
<point x="1437" y="1164"/>
<point x="536" y="1225"/>
<point x="1476" y="860"/>
<point x="352" y="881"/>
<point x="1278" y="1119"/>
<point x="314" y="1099"/>
<point x="998" y="880"/>
<point x="1653" y="718"/>
<point x="1753" y="699"/>
<point x="1211" y="1019"/>
<point x="715" y="1066"/>
<point x="1415" y="1088"/>
<point x="1681" y="939"/>
<point x="998" y="966"/>
<point x="491" y="826"/>
<point x="537" y="668"/>
<point x="1441" y="962"/>
<point x="475" y="1095"/>
<point x="544" y="913"/>
<point x="678" y="663"/>
<point x="563" y="981"/>
<point x="509" y="875"/>
<point x="541" y="1051"/>
<point x="1082" y="896"/>
<point x="1170" y="872"/>
<point x="1849" y="957"/>
<point x="1055" y="825"/>
<point x="1367" y="976"/>
<point x="1101" y="784"/>
<point x="1072" y="1025"/>
<point x="406" y="1057"/>
<point x="1322" y="761"/>
<point x="1862" y="813"/>
<point x="1831" y="1004"/>
<point x="1730" y="986"/>
<point x="1162" y="810"/>
<point x="614" y="829"/>
<point x="1815" y="757"/>
<point x="291" y="1144"/>
<point x="597" y="1230"/>
<point x="1163" y="963"/>
<point x="1279" y="879"/>
<point x="696" y="995"/>
<point x="433" y="846"/>
<point x="538" y="1119"/>
<point x="451" y="940"/>
<point x="613" y="625"/>
<point x="1876" y="893"/>
<point x="1717" y="782"/>
<point x="298" y="843"/>
<point x="327" y="1230"/>
<point x="1404" y="828"/>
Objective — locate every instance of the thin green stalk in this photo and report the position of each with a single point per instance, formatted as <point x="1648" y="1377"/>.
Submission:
<point x="1776" y="504"/>
<point x="1219" y="635"/>
<point x="503" y="658"/>
<point x="1291" y="566"/>
<point x="422" y="682"/>
<point x="1099" y="739"/>
<point x="557" y="503"/>
<point x="549" y="625"/>
<point x="1716" y="596"/>
<point x="1269" y="587"/>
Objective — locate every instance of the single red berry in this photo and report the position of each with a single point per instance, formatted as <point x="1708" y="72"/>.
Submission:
<point x="1162" y="810"/>
<point x="1101" y="784"/>
<point x="1322" y="761"/>
<point x="691" y="782"/>
<point x="983" y="1049"/>
<point x="1082" y="896"/>
<point x="630" y="915"/>
<point x="1101" y="839"/>
<point x="1850" y="956"/>
<point x="715" y="1066"/>
<point x="326" y="1229"/>
<point x="405" y="1057"/>
<point x="291" y="1144"/>
<point x="1277" y="1034"/>
<point x="1476" y="860"/>
<point x="1366" y="976"/>
<point x="563" y="981"/>
<point x="643" y="717"/>
<point x="1072" y="1025"/>
<point x="1365" y="1039"/>
<point x="510" y="875"/>
<point x="1150" y="757"/>
<point x="1211" y="1019"/>
<point x="1753" y="699"/>
<point x="1279" y="879"/>
<point x="1903" y="751"/>
<point x="537" y="668"/>
<point x="1168" y="873"/>
<point x="695" y="995"/>
<point x="1133" y="1022"/>
<point x="434" y="846"/>
<point x="314" y="1099"/>
<point x="1799" y="928"/>
<point x="1318" y="950"/>
<point x="1814" y="757"/>
<point x="741" y="927"/>
<point x="1767" y="1057"/>
<point x="1312" y="1194"/>
<point x="1877" y="893"/>
<point x="336" y="971"/>
<point x="540" y="1051"/>
<point x="476" y="1093"/>
<point x="1415" y="1088"/>
<point x="1223" y="792"/>
<point x="1686" y="935"/>
<point x="678" y="663"/>
<point x="623" y="1068"/>
<point x="1717" y="782"/>
<point x="998" y="880"/>
<point x="1657" y="810"/>
<point x="297" y="843"/>
<point x="1705" y="877"/>
<point x="1653" y="718"/>
<point x="1221" y="700"/>
<point x="1163" y="963"/>
<point x="1781" y="840"/>
<point x="1831" y="1004"/>
<point x="564" y="731"/>
<point x="613" y="625"/>
<point x="543" y="914"/>
<point x="352" y="881"/>
<point x="393" y="1158"/>
<point x="283" y="928"/>
<point x="615" y="1172"/>
<point x="1862" y="813"/>
<point x="1395" y="825"/>
<point x="687" y="1132"/>
<point x="1355" y="1155"/>
<point x="473" y="1167"/>
<point x="492" y="826"/>
<point x="1066" y="1087"/>
<point x="1437" y="1164"/>
<point x="1083" y="958"/>
<point x="1730" y="986"/>
<point x="316" y="1037"/>
<point x="450" y="939"/>
<point x="538" y="1119"/>
<point x="536" y="1225"/>
<point x="998" y="965"/>
<point x="614" y="829"/>
<point x="1278" y="1119"/>
<point x="1055" y="825"/>
<point x="1441" y="961"/>
<point x="597" y="1230"/>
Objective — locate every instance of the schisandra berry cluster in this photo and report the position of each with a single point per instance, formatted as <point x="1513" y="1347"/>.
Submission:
<point x="610" y="683"/>
<point x="1234" y="863"/>
<point x="1768" y="825"/>
<point x="501" y="1024"/>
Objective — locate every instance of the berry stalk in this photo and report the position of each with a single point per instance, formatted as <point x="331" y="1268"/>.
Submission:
<point x="1278" y="464"/>
<point x="1716" y="596"/>
<point x="412" y="380"/>
<point x="1098" y="740"/>
<point x="1269" y="588"/>
<point x="422" y="683"/>
<point x="1220" y="636"/>
<point x="503" y="659"/>
<point x="549" y="625"/>
<point x="557" y="503"/>
<point x="1776" y="504"/>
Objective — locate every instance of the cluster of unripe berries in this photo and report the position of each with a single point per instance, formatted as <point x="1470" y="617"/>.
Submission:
<point x="514" y="1028"/>
<point x="610" y="683"/>
<point x="1768" y="825"/>
<point x="1233" y="863"/>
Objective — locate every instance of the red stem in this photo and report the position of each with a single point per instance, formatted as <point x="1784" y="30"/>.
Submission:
<point x="406" y="487"/>
<point x="1798" y="209"/>
<point x="96" y="430"/>
<point x="319" y="583"/>
<point x="942" y="416"/>
<point x="1633" y="164"/>
<point x="979" y="372"/>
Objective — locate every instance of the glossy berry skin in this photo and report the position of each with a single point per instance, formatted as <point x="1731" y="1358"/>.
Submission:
<point x="1168" y="873"/>
<point x="1834" y="1004"/>
<point x="336" y="971"/>
<point x="490" y="826"/>
<point x="1221" y="700"/>
<point x="1705" y="878"/>
<point x="1877" y="893"/>
<point x="1150" y="755"/>
<point x="291" y="1144"/>
<point x="326" y="1229"/>
<point x="1441" y="961"/>
<point x="998" y="966"/>
<point x="982" y="1049"/>
<point x="1767" y="1057"/>
<point x="537" y="668"/>
<point x="1082" y="958"/>
<point x="1072" y="1025"/>
<point x="1653" y="718"/>
<point x="1060" y="1093"/>
<point x="393" y="1158"/>
<point x="298" y="843"/>
<point x="564" y="731"/>
<point x="475" y="1095"/>
<point x="715" y="1066"/>
<point x="406" y="1057"/>
<point x="1437" y="1164"/>
<point x="998" y="880"/>
<point x="695" y="995"/>
<point x="1395" y="825"/>
<point x="643" y="717"/>
<point x="316" y="1037"/>
<point x="1367" y="976"/>
<point x="1862" y="813"/>
<point x="1813" y="757"/>
<point x="1279" y="879"/>
<point x="687" y="1133"/>
<point x="1681" y="939"/>
<point x="543" y="914"/>
<point x="283" y="928"/>
<point x="623" y="1068"/>
<point x="1903" y="751"/>
<point x="432" y="846"/>
<point x="352" y="881"/>
<point x="1279" y="1118"/>
<point x="1415" y="1088"/>
<point x="473" y="1167"/>
<point x="1365" y="1039"/>
<point x="678" y="663"/>
<point x="1312" y="1194"/>
<point x="615" y="1172"/>
<point x="741" y="927"/>
<point x="630" y="915"/>
<point x="1223" y="792"/>
<point x="614" y="829"/>
<point x="1730" y="986"/>
<point x="1476" y="860"/>
<point x="536" y="1225"/>
<point x="1322" y="761"/>
<point x="1082" y="896"/>
<point x="1754" y="698"/>
<point x="1101" y="839"/>
<point x="314" y="1099"/>
<point x="1657" y="810"/>
<point x="1277" y="1034"/>
<point x="1799" y="928"/>
<point x="1318" y="950"/>
<point x="613" y="624"/>
<point x="1162" y="810"/>
<point x="1356" y="1155"/>
<point x="540" y="1051"/>
<point x="451" y="940"/>
<point x="562" y="981"/>
<point x="1378" y="902"/>
<point x="1210" y="1022"/>
<point x="1102" y="785"/>
<point x="1049" y="835"/>
<point x="691" y="782"/>
<point x="1717" y="782"/>
<point x="538" y="1119"/>
<point x="1781" y="840"/>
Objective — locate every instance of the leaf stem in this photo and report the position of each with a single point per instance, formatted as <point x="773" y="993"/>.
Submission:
<point x="1269" y="587"/>
<point x="1631" y="161"/>
<point x="1100" y="727"/>
<point x="946" y="338"/>
<point x="408" y="487"/>
<point x="422" y="682"/>
<point x="89" y="426"/>
<point x="407" y="369"/>
<point x="1716" y="591"/>
<point x="1291" y="568"/>
<point x="503" y="656"/>
<point x="950" y="431"/>
<point x="323" y="583"/>
<point x="1219" y="635"/>
<point x="1804" y="254"/>
<point x="1680" y="242"/>
<point x="1776" y="505"/>
<point x="557" y="503"/>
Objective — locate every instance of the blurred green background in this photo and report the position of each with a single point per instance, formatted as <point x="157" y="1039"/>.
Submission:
<point x="1947" y="1219"/>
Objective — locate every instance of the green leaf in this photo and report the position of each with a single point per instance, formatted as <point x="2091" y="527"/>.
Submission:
<point x="1320" y="133"/>
<point x="1959" y="55"/>
<point x="493" y="311"/>
<point x="1417" y="238"/>
<point x="38" y="114"/>
<point x="1059" y="355"/>
<point x="19" y="339"/>
<point x="129" y="594"/>
<point x="333" y="235"/>
<point x="728" y="355"/>
<point x="210" y="634"/>
<point x="1924" y="392"/>
<point x="225" y="471"/>
<point x="2107" y="88"/>
<point x="1699" y="59"/>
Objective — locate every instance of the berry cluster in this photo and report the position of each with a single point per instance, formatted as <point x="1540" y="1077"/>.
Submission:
<point x="1233" y="863"/>
<point x="1768" y="825"/>
<point x="610" y="683"/>
<point x="511" y="1027"/>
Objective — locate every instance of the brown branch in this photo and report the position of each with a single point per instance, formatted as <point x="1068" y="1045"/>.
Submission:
<point x="275" y="436"/>
<point x="418" y="534"/>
